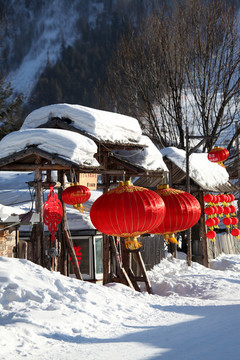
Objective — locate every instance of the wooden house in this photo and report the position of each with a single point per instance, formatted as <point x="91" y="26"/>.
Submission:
<point x="26" y="151"/>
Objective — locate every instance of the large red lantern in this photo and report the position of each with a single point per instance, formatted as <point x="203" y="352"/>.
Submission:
<point x="76" y="195"/>
<point x="52" y="212"/>
<point x="218" y="155"/>
<point x="128" y="211"/>
<point x="182" y="212"/>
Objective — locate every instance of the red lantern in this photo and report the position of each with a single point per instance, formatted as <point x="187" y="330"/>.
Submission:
<point x="226" y="210"/>
<point x="76" y="195"/>
<point x="235" y="232"/>
<point x="128" y="211"/>
<point x="227" y="221"/>
<point x="210" y="210"/>
<point x="234" y="221"/>
<point x="208" y="198"/>
<point x="231" y="197"/>
<point x="52" y="212"/>
<point x="211" y="235"/>
<point x="219" y="210"/>
<point x="232" y="209"/>
<point x="210" y="222"/>
<point x="182" y="211"/>
<point x="218" y="155"/>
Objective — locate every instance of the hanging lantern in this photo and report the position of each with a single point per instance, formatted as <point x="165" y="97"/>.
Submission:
<point x="227" y="221"/>
<point x="182" y="212"/>
<point x="128" y="211"/>
<point x="211" y="235"/>
<point x="218" y="155"/>
<point x="52" y="212"/>
<point x="234" y="221"/>
<point x="235" y="232"/>
<point x="76" y="195"/>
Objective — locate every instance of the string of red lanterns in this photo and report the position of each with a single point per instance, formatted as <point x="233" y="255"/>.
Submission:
<point x="220" y="205"/>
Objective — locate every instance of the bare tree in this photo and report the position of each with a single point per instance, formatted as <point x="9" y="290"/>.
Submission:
<point x="181" y="67"/>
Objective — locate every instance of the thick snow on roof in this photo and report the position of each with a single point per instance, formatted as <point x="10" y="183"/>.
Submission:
<point x="104" y="125"/>
<point x="66" y="144"/>
<point x="201" y="170"/>
<point x="149" y="157"/>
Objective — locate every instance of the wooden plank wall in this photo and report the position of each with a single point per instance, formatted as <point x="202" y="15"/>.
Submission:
<point x="225" y="243"/>
<point x="152" y="252"/>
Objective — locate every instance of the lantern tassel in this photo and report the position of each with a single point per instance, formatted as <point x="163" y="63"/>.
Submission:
<point x="80" y="208"/>
<point x="132" y="244"/>
<point x="170" y="238"/>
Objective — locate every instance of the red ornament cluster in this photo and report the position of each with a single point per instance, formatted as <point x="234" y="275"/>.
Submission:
<point x="220" y="206"/>
<point x="52" y="212"/>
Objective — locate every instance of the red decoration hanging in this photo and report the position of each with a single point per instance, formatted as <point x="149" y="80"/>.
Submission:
<point x="211" y="235"/>
<point x="235" y="232"/>
<point x="128" y="211"/>
<point x="182" y="212"/>
<point x="218" y="155"/>
<point x="76" y="195"/>
<point x="52" y="212"/>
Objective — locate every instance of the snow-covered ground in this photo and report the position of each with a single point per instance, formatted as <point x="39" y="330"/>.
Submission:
<point x="193" y="314"/>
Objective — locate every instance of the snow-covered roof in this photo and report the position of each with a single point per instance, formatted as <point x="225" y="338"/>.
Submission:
<point x="149" y="157"/>
<point x="102" y="125"/>
<point x="204" y="172"/>
<point x="66" y="144"/>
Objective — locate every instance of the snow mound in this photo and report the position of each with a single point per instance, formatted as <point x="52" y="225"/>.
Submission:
<point x="103" y="125"/>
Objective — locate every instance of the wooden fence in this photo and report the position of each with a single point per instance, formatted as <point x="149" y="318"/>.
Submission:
<point x="224" y="243"/>
<point x="152" y="252"/>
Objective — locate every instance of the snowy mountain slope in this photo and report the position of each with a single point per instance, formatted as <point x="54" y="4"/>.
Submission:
<point x="37" y="39"/>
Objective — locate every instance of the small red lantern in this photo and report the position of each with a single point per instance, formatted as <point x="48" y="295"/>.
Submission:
<point x="235" y="232"/>
<point x="226" y="210"/>
<point x="76" y="195"/>
<point x="234" y="221"/>
<point x="52" y="212"/>
<point x="211" y="235"/>
<point x="210" y="222"/>
<point x="208" y="198"/>
<point x="218" y="155"/>
<point x="227" y="221"/>
<point x="128" y="211"/>
<point x="182" y="212"/>
<point x="210" y="210"/>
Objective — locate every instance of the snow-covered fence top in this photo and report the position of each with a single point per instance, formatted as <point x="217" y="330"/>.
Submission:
<point x="103" y="125"/>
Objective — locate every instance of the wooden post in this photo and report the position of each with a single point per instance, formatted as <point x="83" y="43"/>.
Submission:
<point x="37" y="230"/>
<point x="189" y="231"/>
<point x="203" y="230"/>
<point x="63" y="256"/>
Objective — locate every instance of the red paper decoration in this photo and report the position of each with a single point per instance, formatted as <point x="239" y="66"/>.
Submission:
<point x="182" y="212"/>
<point x="52" y="212"/>
<point x="235" y="232"/>
<point x="211" y="235"/>
<point x="76" y="195"/>
<point x="218" y="155"/>
<point x="128" y="211"/>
